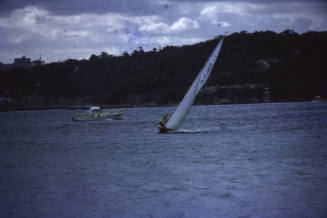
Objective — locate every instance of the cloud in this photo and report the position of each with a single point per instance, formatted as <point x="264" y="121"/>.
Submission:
<point x="77" y="28"/>
<point x="277" y="16"/>
<point x="223" y="24"/>
<point x="216" y="11"/>
<point x="31" y="21"/>
<point x="72" y="7"/>
<point x="182" y="24"/>
<point x="36" y="29"/>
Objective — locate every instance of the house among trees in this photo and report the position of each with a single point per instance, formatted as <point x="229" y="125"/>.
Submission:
<point x="38" y="62"/>
<point x="22" y="62"/>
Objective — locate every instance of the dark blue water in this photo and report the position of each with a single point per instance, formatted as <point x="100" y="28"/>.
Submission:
<point x="255" y="160"/>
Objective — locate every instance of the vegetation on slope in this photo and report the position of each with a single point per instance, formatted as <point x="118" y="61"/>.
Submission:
<point x="291" y="65"/>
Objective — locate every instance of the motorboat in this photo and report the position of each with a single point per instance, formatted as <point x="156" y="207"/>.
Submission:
<point x="96" y="113"/>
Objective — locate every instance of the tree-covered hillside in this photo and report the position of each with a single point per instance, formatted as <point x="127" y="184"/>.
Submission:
<point x="290" y="65"/>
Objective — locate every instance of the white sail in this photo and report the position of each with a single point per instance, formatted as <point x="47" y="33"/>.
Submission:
<point x="188" y="100"/>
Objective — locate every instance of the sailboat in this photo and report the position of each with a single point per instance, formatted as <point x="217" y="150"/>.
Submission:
<point x="185" y="105"/>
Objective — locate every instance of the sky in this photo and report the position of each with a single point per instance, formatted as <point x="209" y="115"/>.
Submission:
<point x="62" y="29"/>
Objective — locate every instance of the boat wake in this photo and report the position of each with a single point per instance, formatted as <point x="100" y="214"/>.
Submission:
<point x="194" y="131"/>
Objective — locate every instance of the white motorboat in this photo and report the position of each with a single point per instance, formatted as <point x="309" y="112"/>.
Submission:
<point x="96" y="113"/>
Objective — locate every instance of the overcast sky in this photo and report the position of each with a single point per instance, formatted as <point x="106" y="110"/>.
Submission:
<point x="62" y="29"/>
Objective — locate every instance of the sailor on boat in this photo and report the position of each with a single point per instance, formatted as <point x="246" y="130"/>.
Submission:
<point x="162" y="124"/>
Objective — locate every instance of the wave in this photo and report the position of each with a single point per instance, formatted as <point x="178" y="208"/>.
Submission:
<point x="195" y="131"/>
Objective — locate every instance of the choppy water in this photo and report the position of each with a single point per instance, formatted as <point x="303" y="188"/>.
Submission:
<point x="255" y="160"/>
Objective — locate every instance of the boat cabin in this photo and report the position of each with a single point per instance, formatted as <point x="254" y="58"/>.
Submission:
<point x="94" y="110"/>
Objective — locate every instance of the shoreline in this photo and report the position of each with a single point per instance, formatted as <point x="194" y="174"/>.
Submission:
<point x="21" y="107"/>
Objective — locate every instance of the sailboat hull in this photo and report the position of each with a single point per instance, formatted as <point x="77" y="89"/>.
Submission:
<point x="164" y="129"/>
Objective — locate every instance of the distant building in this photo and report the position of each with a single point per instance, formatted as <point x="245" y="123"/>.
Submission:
<point x="22" y="62"/>
<point x="39" y="62"/>
<point x="5" y="67"/>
